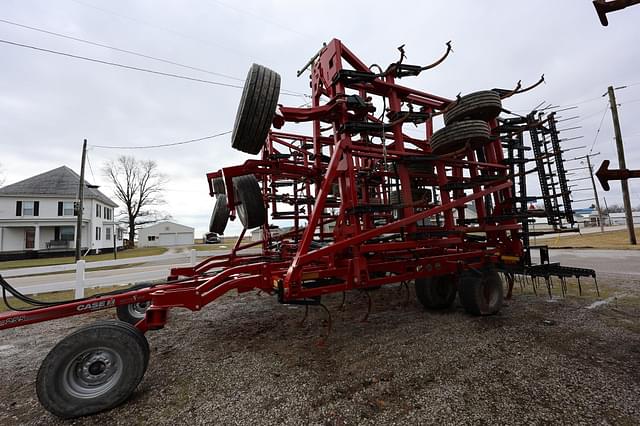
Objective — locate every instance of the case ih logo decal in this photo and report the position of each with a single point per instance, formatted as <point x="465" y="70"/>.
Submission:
<point x="95" y="306"/>
<point x="13" y="320"/>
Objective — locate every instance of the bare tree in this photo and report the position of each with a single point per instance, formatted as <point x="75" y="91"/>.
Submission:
<point x="2" y="177"/>
<point x="139" y="185"/>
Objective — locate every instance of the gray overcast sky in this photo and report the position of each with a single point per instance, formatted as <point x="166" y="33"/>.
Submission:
<point x="48" y="103"/>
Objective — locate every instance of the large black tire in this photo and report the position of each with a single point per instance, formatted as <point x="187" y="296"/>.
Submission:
<point x="454" y="136"/>
<point x="481" y="294"/>
<point x="96" y="368"/>
<point x="218" y="186"/>
<point x="485" y="105"/>
<point x="251" y="210"/>
<point x="256" y="110"/>
<point x="437" y="292"/>
<point x="133" y="312"/>
<point x="220" y="215"/>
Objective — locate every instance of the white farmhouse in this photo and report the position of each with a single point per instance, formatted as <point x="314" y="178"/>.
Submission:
<point x="37" y="214"/>
<point x="165" y="234"/>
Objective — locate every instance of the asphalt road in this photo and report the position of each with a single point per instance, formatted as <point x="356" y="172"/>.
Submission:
<point x="611" y="262"/>
<point x="614" y="262"/>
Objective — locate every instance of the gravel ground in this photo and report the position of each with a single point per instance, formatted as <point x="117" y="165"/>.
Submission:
<point x="247" y="360"/>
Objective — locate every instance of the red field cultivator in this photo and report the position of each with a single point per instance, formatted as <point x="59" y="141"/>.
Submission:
<point x="371" y="196"/>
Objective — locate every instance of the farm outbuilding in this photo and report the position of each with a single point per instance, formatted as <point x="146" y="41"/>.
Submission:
<point x="165" y="234"/>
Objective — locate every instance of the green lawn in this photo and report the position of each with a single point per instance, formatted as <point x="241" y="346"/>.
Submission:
<point x="125" y="254"/>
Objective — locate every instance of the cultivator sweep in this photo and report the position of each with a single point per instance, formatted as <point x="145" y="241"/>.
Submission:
<point x="370" y="196"/>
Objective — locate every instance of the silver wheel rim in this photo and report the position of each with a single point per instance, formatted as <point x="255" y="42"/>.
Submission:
<point x="93" y="373"/>
<point x="137" y="310"/>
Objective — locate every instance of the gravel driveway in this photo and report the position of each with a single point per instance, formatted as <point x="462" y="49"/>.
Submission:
<point x="247" y="360"/>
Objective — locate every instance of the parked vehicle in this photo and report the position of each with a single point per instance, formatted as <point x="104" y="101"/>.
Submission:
<point x="211" y="238"/>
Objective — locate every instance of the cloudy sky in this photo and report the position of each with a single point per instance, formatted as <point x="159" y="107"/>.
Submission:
<point x="50" y="103"/>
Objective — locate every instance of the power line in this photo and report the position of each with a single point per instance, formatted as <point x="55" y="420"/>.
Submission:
<point x="157" y="27"/>
<point x="164" y="144"/>
<point x="115" y="64"/>
<point x="118" y="49"/>
<point x="91" y="169"/>
<point x="130" y="67"/>
<point x="629" y="102"/>
<point x="261" y="18"/>
<point x="592" y="115"/>
<point x="599" y="127"/>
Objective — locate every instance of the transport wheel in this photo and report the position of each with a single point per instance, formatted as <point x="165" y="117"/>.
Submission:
<point x="93" y="369"/>
<point x="454" y="136"/>
<point x="256" y="110"/>
<point x="481" y="295"/>
<point x="436" y="292"/>
<point x="133" y="312"/>
<point x="485" y="105"/>
<point x="218" y="186"/>
<point x="220" y="215"/>
<point x="251" y="210"/>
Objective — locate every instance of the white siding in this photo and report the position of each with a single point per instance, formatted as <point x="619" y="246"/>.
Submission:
<point x="14" y="227"/>
<point x="165" y="234"/>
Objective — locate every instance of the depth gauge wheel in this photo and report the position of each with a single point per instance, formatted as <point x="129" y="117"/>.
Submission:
<point x="455" y="136"/>
<point x="220" y="215"/>
<point x="485" y="105"/>
<point x="481" y="294"/>
<point x="256" y="110"/>
<point x="437" y="292"/>
<point x="133" y="312"/>
<point x="93" y="369"/>
<point x="251" y="210"/>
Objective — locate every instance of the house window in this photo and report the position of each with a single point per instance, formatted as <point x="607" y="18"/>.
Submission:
<point x="67" y="233"/>
<point x="98" y="233"/>
<point x="27" y="208"/>
<point x="151" y="238"/>
<point x="98" y="210"/>
<point x="65" y="208"/>
<point x="107" y="233"/>
<point x="120" y="234"/>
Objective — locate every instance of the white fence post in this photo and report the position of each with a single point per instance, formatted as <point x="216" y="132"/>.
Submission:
<point x="80" y="266"/>
<point x="192" y="257"/>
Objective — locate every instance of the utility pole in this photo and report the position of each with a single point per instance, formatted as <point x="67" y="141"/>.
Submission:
<point x="79" y="213"/>
<point x="595" y="192"/>
<point x="622" y="165"/>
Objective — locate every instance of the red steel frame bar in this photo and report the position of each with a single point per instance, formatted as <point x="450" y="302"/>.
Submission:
<point x="427" y="238"/>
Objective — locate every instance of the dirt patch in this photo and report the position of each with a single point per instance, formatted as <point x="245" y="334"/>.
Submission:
<point x="247" y="360"/>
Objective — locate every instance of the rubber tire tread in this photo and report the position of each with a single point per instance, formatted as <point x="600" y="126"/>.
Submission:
<point x="135" y="359"/>
<point x="251" y="211"/>
<point x="471" y="293"/>
<point x="256" y="109"/>
<point x="454" y="136"/>
<point x="123" y="314"/>
<point x="485" y="105"/>
<point x="428" y="293"/>
<point x="219" y="186"/>
<point x="219" y="215"/>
